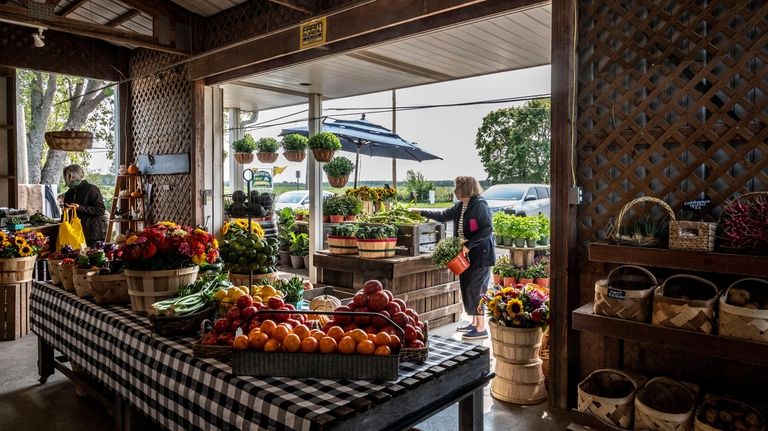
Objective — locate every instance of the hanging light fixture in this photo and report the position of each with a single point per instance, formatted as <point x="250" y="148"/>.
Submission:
<point x="38" y="38"/>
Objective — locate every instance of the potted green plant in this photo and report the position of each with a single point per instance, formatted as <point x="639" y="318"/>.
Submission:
<point x="527" y="275"/>
<point x="540" y="275"/>
<point x="244" y="149"/>
<point x="543" y="229"/>
<point x="499" y="269"/>
<point x="517" y="231"/>
<point x="338" y="170"/>
<point x="334" y="207"/>
<point x="324" y="145"/>
<point x="267" y="150"/>
<point x="294" y="147"/>
<point x="285" y="228"/>
<point x="343" y="239"/>
<point x="532" y="231"/>
<point x="449" y="253"/>
<point x="299" y="249"/>
<point x="509" y="275"/>
<point x="352" y="207"/>
<point x="301" y="214"/>
<point x="499" y="225"/>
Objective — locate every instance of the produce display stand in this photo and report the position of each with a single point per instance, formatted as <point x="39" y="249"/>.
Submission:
<point x="433" y="292"/>
<point x="412" y="239"/>
<point x="14" y="310"/>
<point x="523" y="256"/>
<point x="153" y="376"/>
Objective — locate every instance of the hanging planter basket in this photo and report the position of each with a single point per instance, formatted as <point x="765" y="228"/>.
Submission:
<point x="69" y="140"/>
<point x="323" y="155"/>
<point x="266" y="157"/>
<point x="295" y="156"/>
<point x="244" y="158"/>
<point x="338" y="182"/>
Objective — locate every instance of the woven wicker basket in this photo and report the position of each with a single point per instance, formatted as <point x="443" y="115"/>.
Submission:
<point x="693" y="308"/>
<point x="613" y="410"/>
<point x="700" y="423"/>
<point x="742" y="322"/>
<point x="758" y="246"/>
<point x="67" y="276"/>
<point x="222" y="353"/>
<point x="408" y="354"/>
<point x="53" y="270"/>
<point x="639" y="240"/>
<point x="108" y="289"/>
<point x="338" y="182"/>
<point x="626" y="293"/>
<point x="676" y="399"/>
<point x="80" y="279"/>
<point x="182" y="325"/>
<point x="69" y="140"/>
<point x="692" y="235"/>
<point x="244" y="158"/>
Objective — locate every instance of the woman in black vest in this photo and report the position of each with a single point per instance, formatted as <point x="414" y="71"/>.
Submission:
<point x="87" y="200"/>
<point x="471" y="222"/>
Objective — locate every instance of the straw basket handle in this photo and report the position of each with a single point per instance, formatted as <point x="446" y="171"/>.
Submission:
<point x="589" y="397"/>
<point x="639" y="268"/>
<point x="684" y="385"/>
<point x="633" y="202"/>
<point x="741" y="280"/>
<point x="692" y="277"/>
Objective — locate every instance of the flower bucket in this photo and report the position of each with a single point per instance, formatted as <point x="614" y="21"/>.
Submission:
<point x="17" y="269"/>
<point x="80" y="279"/>
<point x="265" y="157"/>
<point x="295" y="156"/>
<point x="458" y="264"/>
<point x="147" y="287"/>
<point x="376" y="248"/>
<point x="53" y="270"/>
<point x="67" y="276"/>
<point x="342" y="244"/>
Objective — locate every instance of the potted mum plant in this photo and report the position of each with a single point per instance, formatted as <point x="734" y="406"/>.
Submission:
<point x="267" y="150"/>
<point x="338" y="170"/>
<point x="294" y="147"/>
<point x="449" y="253"/>
<point x="244" y="149"/>
<point x="324" y="145"/>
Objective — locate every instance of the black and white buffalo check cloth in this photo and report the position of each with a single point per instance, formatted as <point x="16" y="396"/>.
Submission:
<point x="160" y="377"/>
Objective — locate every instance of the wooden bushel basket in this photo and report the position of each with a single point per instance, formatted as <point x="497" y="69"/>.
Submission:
<point x="675" y="398"/>
<point x="258" y="279"/>
<point x="69" y="140"/>
<point x="742" y="322"/>
<point x="696" y="313"/>
<point x="516" y="345"/>
<point x="700" y="423"/>
<point x="624" y="294"/>
<point x="342" y="244"/>
<point x="17" y="270"/>
<point x="609" y="395"/>
<point x="147" y="287"/>
<point x="108" y="289"/>
<point x="692" y="235"/>
<point x="376" y="248"/>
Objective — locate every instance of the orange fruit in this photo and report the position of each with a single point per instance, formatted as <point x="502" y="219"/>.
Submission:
<point x="336" y="333"/>
<point x="366" y="347"/>
<point x="291" y="343"/>
<point x="394" y="342"/>
<point x="302" y="331"/>
<point x="358" y="335"/>
<point x="309" y="344"/>
<point x="382" y="351"/>
<point x="280" y="333"/>
<point x="286" y="324"/>
<point x="327" y="345"/>
<point x="258" y="340"/>
<point x="382" y="339"/>
<point x="347" y="345"/>
<point x="268" y="326"/>
<point x="371" y="337"/>
<point x="319" y="335"/>
<point x="272" y="345"/>
<point x="241" y="342"/>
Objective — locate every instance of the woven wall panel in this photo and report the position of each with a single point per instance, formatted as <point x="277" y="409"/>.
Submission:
<point x="672" y="102"/>
<point x="162" y="124"/>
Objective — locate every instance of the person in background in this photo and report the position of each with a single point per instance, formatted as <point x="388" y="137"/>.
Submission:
<point x="87" y="200"/>
<point x="471" y="222"/>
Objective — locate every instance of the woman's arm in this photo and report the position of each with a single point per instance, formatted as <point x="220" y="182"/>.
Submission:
<point x="441" y="216"/>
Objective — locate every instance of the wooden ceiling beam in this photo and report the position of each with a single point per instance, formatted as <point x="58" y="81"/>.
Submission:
<point x="123" y="18"/>
<point x="292" y="4"/>
<point x="68" y="9"/>
<point x="98" y="31"/>
<point x="157" y="8"/>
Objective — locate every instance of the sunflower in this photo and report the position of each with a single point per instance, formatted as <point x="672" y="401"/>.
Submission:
<point x="514" y="306"/>
<point x="19" y="241"/>
<point x="225" y="229"/>
<point x="241" y="223"/>
<point x="25" y="250"/>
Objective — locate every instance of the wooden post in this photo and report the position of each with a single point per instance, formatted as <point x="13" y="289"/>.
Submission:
<point x="315" y="184"/>
<point x="394" y="130"/>
<point x="198" y="151"/>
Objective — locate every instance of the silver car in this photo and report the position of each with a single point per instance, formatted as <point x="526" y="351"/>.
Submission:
<point x="298" y="199"/>
<point x="521" y="199"/>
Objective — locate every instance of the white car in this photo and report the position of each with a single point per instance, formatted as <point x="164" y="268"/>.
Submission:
<point x="521" y="199"/>
<point x="298" y="199"/>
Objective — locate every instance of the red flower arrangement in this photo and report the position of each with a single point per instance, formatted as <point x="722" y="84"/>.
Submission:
<point x="167" y="245"/>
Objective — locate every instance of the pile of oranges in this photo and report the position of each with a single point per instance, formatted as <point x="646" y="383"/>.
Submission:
<point x="273" y="337"/>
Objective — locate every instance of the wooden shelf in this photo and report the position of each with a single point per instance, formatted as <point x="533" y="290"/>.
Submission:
<point x="513" y="248"/>
<point x="721" y="263"/>
<point x="695" y="342"/>
<point x="123" y="220"/>
<point x="590" y="421"/>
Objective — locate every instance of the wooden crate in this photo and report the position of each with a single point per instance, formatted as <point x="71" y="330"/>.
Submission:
<point x="14" y="310"/>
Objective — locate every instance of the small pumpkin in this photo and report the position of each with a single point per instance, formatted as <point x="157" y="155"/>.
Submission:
<point x="136" y="194"/>
<point x="133" y="169"/>
<point x="323" y="303"/>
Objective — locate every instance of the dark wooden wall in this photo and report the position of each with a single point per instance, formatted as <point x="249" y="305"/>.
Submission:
<point x="672" y="102"/>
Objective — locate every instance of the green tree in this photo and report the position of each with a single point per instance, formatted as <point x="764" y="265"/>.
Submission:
<point x="514" y="143"/>
<point x="416" y="184"/>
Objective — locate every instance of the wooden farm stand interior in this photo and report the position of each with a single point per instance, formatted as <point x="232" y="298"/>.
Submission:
<point x="663" y="99"/>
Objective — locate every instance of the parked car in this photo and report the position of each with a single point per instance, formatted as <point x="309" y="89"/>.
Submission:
<point x="521" y="199"/>
<point x="298" y="199"/>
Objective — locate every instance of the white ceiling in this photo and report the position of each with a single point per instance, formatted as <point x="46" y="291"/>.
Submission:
<point x="515" y="40"/>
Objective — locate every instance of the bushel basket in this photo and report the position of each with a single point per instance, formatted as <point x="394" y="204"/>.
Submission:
<point x="53" y="270"/>
<point x="626" y="293"/>
<point x="67" y="276"/>
<point x="685" y="302"/>
<point x="342" y="244"/>
<point x="80" y="278"/>
<point x="750" y="320"/>
<point x="637" y="239"/>
<point x="200" y="350"/>
<point x="664" y="404"/>
<point x="108" y="289"/>
<point x="69" y="140"/>
<point x="17" y="270"/>
<point x="147" y="287"/>
<point x="609" y="395"/>
<point x="376" y="248"/>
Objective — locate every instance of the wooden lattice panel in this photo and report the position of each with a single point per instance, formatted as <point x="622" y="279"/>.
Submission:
<point x="162" y="124"/>
<point x="672" y="102"/>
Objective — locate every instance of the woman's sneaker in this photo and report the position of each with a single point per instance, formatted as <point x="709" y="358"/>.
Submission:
<point x="466" y="328"/>
<point x="474" y="334"/>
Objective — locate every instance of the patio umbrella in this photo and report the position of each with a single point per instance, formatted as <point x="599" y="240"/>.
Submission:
<point x="362" y="136"/>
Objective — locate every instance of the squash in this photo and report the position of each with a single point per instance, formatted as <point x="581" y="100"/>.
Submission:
<point x="133" y="169"/>
<point x="136" y="194"/>
<point x="323" y="303"/>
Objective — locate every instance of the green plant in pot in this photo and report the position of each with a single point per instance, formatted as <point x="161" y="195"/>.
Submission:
<point x="244" y="148"/>
<point x="324" y="145"/>
<point x="294" y="147"/>
<point x="301" y="214"/>
<point x="527" y="275"/>
<point x="544" y="228"/>
<point x="299" y="249"/>
<point x="500" y="269"/>
<point x="267" y="150"/>
<point x="499" y="222"/>
<point x="517" y="230"/>
<point x="532" y="230"/>
<point x="338" y="170"/>
<point x="334" y="207"/>
<point x="286" y="226"/>
<point x="449" y="253"/>
<point x="352" y="207"/>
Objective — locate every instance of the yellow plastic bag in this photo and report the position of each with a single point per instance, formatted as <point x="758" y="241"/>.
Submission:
<point x="71" y="231"/>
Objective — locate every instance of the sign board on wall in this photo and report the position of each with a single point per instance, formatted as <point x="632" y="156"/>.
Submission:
<point x="312" y="33"/>
<point x="159" y="164"/>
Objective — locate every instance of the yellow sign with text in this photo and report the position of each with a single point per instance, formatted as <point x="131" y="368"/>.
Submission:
<point x="312" y="33"/>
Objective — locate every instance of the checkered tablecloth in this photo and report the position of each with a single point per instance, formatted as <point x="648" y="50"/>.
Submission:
<point x="160" y="377"/>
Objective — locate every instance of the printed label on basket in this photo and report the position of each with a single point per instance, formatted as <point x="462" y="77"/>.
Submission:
<point x="616" y="294"/>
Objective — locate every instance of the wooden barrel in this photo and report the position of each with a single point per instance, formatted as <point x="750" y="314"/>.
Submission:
<point x="67" y="276"/>
<point x="342" y="244"/>
<point x="258" y="279"/>
<point x="376" y="248"/>
<point x="17" y="270"/>
<point x="80" y="278"/>
<point x="53" y="269"/>
<point x="519" y="383"/>
<point x="516" y="345"/>
<point x="147" y="287"/>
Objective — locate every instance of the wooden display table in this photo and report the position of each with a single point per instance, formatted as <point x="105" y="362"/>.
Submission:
<point x="433" y="292"/>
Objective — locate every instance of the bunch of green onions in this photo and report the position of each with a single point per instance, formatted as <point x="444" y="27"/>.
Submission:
<point x="191" y="298"/>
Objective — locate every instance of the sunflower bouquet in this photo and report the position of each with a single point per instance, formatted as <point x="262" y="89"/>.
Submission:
<point x="241" y="225"/>
<point x="366" y="193"/>
<point x="519" y="306"/>
<point x="22" y="243"/>
<point x="168" y="245"/>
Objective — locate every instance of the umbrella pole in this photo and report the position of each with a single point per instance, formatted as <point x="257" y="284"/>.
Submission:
<point x="357" y="162"/>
